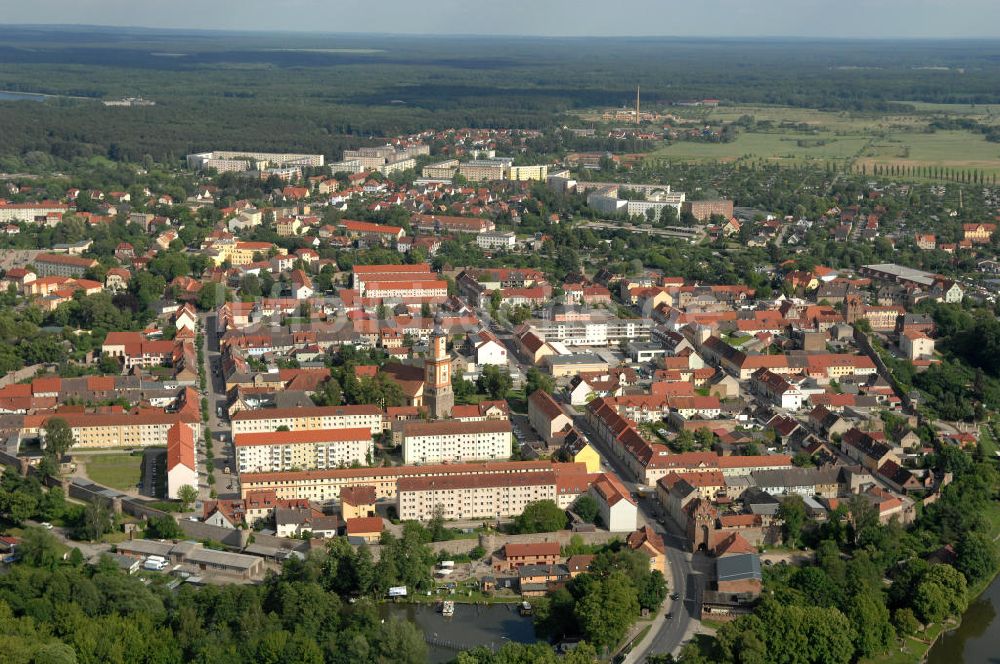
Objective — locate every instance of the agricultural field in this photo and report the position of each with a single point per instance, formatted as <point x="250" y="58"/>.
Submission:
<point x="847" y="139"/>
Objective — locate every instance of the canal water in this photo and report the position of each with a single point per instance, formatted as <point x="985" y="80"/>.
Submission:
<point x="472" y="625"/>
<point x="18" y="96"/>
<point x="977" y="639"/>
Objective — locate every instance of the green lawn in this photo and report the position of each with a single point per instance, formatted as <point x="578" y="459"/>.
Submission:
<point x="912" y="650"/>
<point x="118" y="471"/>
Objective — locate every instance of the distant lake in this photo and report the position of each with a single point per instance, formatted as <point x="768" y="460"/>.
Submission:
<point x="21" y="96"/>
<point x="472" y="625"/>
<point x="977" y="639"/>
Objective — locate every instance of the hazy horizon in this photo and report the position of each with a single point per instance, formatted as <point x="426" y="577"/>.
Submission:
<point x="851" y="19"/>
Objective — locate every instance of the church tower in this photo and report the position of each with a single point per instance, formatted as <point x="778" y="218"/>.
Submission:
<point x="438" y="396"/>
<point x="854" y="308"/>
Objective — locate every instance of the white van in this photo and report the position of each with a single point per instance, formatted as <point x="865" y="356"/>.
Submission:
<point x="155" y="563"/>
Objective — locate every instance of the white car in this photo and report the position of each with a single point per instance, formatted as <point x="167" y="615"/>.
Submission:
<point x="46" y="525"/>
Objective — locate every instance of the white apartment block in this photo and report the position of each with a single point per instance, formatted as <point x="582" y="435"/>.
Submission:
<point x="307" y="419"/>
<point x="436" y="442"/>
<point x="303" y="450"/>
<point x="406" y="289"/>
<point x="235" y="160"/>
<point x="11" y="212"/>
<point x="472" y="496"/>
<point x="594" y="332"/>
<point x="496" y="240"/>
<point x="522" y="173"/>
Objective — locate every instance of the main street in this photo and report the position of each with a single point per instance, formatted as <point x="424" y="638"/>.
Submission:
<point x="222" y="448"/>
<point x="686" y="572"/>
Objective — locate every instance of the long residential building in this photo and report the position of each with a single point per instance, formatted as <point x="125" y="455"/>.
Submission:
<point x="235" y="160"/>
<point x="435" y="442"/>
<point x="302" y="450"/>
<point x="322" y="485"/>
<point x="61" y="265"/>
<point x="306" y="419"/>
<point x="598" y="331"/>
<point x="472" y="496"/>
<point x="11" y="212"/>
<point x="125" y="430"/>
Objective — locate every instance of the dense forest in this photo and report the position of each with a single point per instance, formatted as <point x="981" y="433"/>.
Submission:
<point x="320" y="93"/>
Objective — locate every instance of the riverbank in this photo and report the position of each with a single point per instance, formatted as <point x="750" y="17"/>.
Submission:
<point x="916" y="649"/>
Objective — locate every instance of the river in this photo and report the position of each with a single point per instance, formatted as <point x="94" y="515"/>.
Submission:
<point x="977" y="639"/>
<point x="472" y="625"/>
<point x="21" y="96"/>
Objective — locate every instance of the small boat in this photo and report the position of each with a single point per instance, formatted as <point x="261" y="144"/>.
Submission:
<point x="447" y="608"/>
<point x="525" y="609"/>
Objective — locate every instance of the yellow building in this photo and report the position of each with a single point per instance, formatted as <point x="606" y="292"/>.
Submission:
<point x="581" y="451"/>
<point x="242" y="253"/>
<point x="522" y="173"/>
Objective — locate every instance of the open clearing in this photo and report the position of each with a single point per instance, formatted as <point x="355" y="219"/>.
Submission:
<point x="118" y="471"/>
<point x="797" y="136"/>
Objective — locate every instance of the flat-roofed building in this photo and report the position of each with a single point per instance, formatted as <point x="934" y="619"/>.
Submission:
<point x="286" y="450"/>
<point x="309" y="418"/>
<point x="523" y="173"/>
<point x="434" y="442"/>
<point x="473" y="496"/>
<point x="234" y="160"/>
<point x="703" y="210"/>
<point x="482" y="170"/>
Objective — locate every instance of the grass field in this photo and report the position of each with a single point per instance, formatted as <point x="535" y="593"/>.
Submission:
<point x="951" y="149"/>
<point x="118" y="471"/>
<point x="846" y="138"/>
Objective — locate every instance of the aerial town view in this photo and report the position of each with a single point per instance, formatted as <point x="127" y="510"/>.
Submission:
<point x="512" y="334"/>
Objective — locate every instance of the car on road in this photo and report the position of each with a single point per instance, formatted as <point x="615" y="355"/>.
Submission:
<point x="670" y="616"/>
<point x="675" y="596"/>
<point x="46" y="525"/>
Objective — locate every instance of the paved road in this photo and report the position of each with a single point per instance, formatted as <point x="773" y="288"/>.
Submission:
<point x="216" y="394"/>
<point x="666" y="635"/>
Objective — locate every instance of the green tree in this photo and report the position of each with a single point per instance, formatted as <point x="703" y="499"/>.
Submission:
<point x="941" y="593"/>
<point x="542" y="516"/>
<point x="867" y="612"/>
<point x="586" y="508"/>
<point x="607" y="610"/>
<point x="39" y="548"/>
<point x="164" y="527"/>
<point x="210" y="296"/>
<point x="976" y="556"/>
<point x="187" y="494"/>
<point x="536" y="380"/>
<point x="58" y="437"/>
<point x="905" y="621"/>
<point x="495" y="382"/>
<point x="97" y="519"/>
<point x="652" y="590"/>
<point x="792" y="512"/>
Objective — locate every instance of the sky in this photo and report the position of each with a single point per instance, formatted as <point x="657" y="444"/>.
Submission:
<point x="695" y="18"/>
